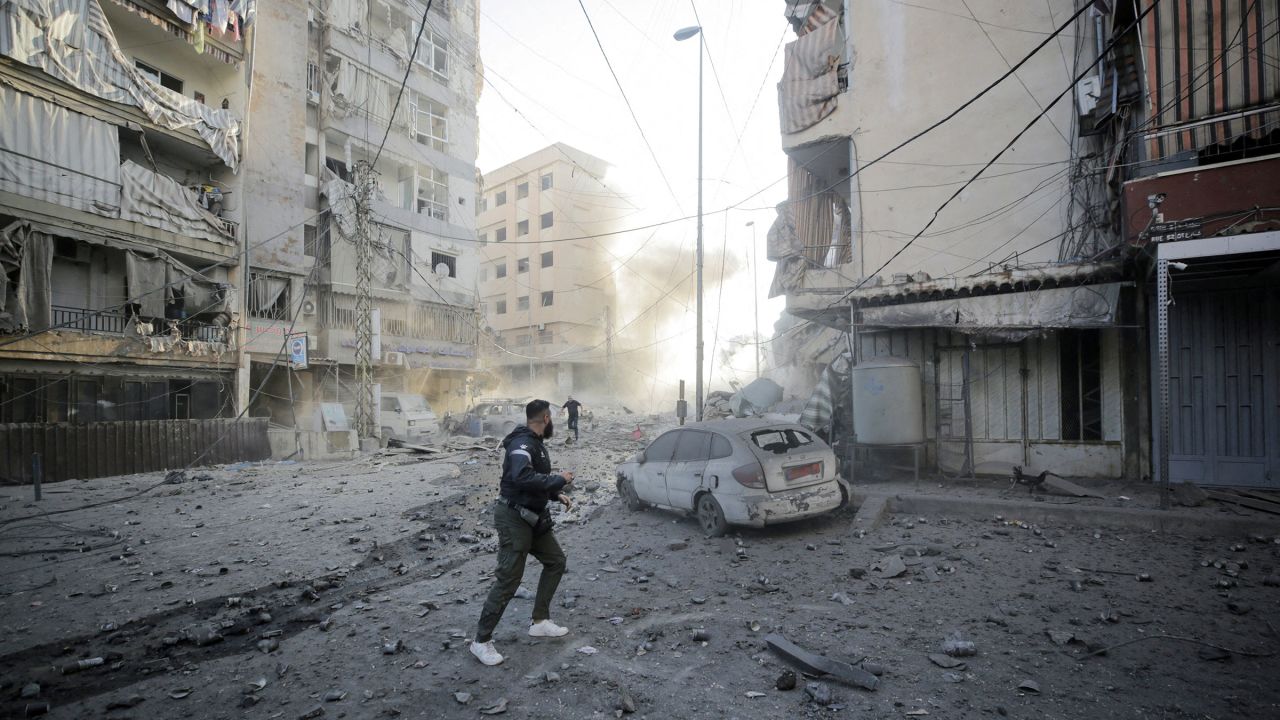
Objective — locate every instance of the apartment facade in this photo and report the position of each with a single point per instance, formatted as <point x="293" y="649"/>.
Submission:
<point x="120" y="210"/>
<point x="328" y="79"/>
<point x="545" y="274"/>
<point x="1006" y="292"/>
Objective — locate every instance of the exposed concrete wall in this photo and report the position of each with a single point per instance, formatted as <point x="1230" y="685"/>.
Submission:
<point x="911" y="64"/>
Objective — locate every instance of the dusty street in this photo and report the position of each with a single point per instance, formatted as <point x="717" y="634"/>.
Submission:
<point x="348" y="590"/>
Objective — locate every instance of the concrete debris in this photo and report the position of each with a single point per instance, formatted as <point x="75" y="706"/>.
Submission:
<point x="314" y="712"/>
<point x="30" y="690"/>
<point x="752" y="694"/>
<point x="626" y="703"/>
<point x="786" y="681"/>
<point x="819" y="693"/>
<point x="889" y="566"/>
<point x="819" y="665"/>
<point x="495" y="709"/>
<point x="335" y="695"/>
<point x="945" y="661"/>
<point x="1188" y="494"/>
<point x="462" y="698"/>
<point x="1060" y="637"/>
<point x="841" y="598"/>
<point x="701" y="635"/>
<point x="81" y="665"/>
<point x="1030" y="686"/>
<point x="126" y="703"/>
<point x="587" y="650"/>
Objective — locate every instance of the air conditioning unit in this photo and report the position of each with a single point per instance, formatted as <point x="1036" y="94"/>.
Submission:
<point x="393" y="358"/>
<point x="542" y="326"/>
<point x="309" y="305"/>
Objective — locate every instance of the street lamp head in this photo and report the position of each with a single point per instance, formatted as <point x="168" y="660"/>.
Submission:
<point x="686" y="33"/>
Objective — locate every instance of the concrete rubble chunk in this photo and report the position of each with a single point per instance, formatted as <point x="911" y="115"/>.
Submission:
<point x="1188" y="494"/>
<point x="889" y="566"/>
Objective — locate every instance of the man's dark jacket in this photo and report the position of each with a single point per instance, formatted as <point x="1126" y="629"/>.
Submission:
<point x="526" y="471"/>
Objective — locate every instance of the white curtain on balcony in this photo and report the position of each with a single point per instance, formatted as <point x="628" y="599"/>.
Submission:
<point x="50" y="153"/>
<point x="147" y="284"/>
<point x="161" y="202"/>
<point x="72" y="41"/>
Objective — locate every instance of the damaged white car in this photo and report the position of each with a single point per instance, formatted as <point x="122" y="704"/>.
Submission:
<point x="735" y="472"/>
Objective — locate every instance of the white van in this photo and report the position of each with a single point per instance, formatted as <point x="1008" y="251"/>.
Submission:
<point x="408" y="417"/>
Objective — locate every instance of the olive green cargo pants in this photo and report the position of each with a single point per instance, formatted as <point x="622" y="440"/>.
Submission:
<point x="516" y="542"/>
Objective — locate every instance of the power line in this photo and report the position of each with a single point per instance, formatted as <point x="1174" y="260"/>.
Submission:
<point x="405" y="81"/>
<point x="1002" y="150"/>
<point x="630" y="109"/>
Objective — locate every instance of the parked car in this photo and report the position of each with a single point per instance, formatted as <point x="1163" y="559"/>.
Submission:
<point x="494" y="416"/>
<point x="406" y="416"/>
<point x="735" y="472"/>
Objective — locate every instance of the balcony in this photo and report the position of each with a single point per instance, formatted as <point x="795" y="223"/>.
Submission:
<point x="102" y="322"/>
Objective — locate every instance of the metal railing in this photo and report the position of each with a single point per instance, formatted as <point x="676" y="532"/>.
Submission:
<point x="99" y="322"/>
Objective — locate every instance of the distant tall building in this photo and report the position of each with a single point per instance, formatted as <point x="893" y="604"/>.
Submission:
<point x="546" y="277"/>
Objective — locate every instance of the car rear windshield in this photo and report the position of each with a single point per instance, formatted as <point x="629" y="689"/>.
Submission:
<point x="781" y="440"/>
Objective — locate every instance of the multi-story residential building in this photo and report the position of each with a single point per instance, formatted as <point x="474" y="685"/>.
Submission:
<point x="546" y="277"/>
<point x="1003" y="291"/>
<point x="326" y="78"/>
<point x="120" y="209"/>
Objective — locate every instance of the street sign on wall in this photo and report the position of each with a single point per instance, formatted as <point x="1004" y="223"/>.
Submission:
<point x="298" y="351"/>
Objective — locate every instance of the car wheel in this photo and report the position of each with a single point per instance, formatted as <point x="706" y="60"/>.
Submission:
<point x="711" y="517"/>
<point x="387" y="435"/>
<point x="627" y="491"/>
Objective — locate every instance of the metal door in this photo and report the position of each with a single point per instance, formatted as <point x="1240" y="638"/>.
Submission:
<point x="1224" y="404"/>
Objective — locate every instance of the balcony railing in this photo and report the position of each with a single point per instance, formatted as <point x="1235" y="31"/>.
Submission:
<point x="101" y="322"/>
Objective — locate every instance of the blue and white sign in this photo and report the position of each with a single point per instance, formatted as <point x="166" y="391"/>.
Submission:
<point x="298" y="351"/>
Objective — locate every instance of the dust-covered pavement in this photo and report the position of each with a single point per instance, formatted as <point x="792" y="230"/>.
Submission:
<point x="352" y="590"/>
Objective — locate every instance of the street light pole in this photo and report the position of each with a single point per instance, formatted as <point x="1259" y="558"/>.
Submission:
<point x="755" y="294"/>
<point x="685" y="34"/>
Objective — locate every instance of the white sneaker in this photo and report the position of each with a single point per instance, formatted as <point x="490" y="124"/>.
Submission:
<point x="546" y="628"/>
<point x="486" y="653"/>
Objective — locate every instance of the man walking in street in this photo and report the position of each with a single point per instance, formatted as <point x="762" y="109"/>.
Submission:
<point x="572" y="406"/>
<point x="524" y="525"/>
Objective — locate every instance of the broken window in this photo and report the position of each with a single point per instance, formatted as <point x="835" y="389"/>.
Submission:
<point x="159" y="77"/>
<point x="433" y="193"/>
<point x="309" y="240"/>
<point x="268" y="296"/>
<point x="780" y="440"/>
<point x="1080" y="365"/>
<point x="430" y="122"/>
<point x="548" y="298"/>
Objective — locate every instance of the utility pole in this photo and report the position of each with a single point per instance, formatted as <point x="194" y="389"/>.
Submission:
<point x="608" y="347"/>
<point x="366" y="426"/>
<point x="755" y="295"/>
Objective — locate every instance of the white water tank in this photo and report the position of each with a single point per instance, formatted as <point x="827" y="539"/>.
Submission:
<point x="887" y="407"/>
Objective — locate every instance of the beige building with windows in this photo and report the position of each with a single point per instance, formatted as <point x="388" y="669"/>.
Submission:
<point x="546" y="273"/>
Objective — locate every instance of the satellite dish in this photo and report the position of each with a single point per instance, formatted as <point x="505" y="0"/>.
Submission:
<point x="442" y="269"/>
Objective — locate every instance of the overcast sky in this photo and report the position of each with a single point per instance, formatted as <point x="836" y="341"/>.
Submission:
<point x="547" y="81"/>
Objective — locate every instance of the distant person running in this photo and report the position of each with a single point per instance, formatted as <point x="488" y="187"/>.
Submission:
<point x="572" y="406"/>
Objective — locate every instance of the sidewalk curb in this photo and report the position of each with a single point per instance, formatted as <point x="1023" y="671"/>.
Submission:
<point x="1170" y="521"/>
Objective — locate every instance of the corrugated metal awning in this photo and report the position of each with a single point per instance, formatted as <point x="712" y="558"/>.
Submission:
<point x="1013" y="315"/>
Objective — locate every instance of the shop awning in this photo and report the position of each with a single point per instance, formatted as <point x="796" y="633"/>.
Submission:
<point x="1013" y="315"/>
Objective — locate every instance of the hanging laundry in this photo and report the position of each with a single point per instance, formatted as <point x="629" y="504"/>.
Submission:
<point x="197" y="38"/>
<point x="233" y="27"/>
<point x="219" y="13"/>
<point x="183" y="11"/>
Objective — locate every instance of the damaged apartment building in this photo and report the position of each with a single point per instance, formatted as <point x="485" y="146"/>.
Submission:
<point x="167" y="171"/>
<point x="333" y="70"/>
<point x="120" y="138"/>
<point x="1023" y="301"/>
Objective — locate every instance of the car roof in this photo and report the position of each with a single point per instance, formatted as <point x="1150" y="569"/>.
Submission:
<point x="737" y="425"/>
